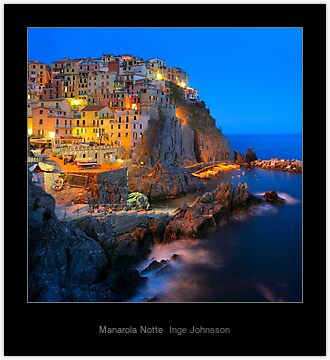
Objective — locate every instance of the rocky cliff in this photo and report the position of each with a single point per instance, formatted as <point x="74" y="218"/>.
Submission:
<point x="163" y="181"/>
<point x="182" y="135"/>
<point x="67" y="263"/>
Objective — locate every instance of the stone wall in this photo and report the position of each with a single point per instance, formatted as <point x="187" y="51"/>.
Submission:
<point x="108" y="187"/>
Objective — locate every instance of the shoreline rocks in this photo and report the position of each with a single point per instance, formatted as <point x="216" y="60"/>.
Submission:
<point x="208" y="210"/>
<point x="279" y="164"/>
<point x="68" y="264"/>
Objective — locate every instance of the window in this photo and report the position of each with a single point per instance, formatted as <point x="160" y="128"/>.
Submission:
<point x="65" y="122"/>
<point x="127" y="118"/>
<point x="134" y="126"/>
<point x="140" y="126"/>
<point x="56" y="122"/>
<point x="77" y="122"/>
<point x="41" y="122"/>
<point x="126" y="134"/>
<point x="111" y="126"/>
<point x="77" y="131"/>
<point x="118" y="126"/>
<point x="40" y="132"/>
<point x="126" y="126"/>
<point x="118" y="134"/>
<point x="83" y="114"/>
<point x="57" y="105"/>
<point x="119" y="119"/>
<point x="66" y="131"/>
<point x="134" y="117"/>
<point x="41" y="112"/>
<point x="42" y="104"/>
<point x="56" y="131"/>
<point x="101" y="122"/>
<point x="95" y="114"/>
<point x="83" y="122"/>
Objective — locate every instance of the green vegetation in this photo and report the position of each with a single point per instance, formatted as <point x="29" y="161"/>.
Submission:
<point x="137" y="201"/>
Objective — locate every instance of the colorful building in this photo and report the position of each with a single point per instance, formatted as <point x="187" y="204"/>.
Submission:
<point x="38" y="76"/>
<point x="94" y="123"/>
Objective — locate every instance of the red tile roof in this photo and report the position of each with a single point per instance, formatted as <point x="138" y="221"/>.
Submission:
<point x="93" y="108"/>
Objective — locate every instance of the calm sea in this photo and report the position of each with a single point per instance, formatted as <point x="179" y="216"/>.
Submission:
<point x="255" y="257"/>
<point x="266" y="146"/>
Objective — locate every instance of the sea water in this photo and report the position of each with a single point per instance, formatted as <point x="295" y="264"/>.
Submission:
<point x="256" y="257"/>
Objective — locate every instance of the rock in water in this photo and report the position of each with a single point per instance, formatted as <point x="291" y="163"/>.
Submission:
<point x="273" y="197"/>
<point x="208" y="210"/>
<point x="249" y="156"/>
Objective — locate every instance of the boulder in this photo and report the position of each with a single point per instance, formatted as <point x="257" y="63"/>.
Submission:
<point x="272" y="196"/>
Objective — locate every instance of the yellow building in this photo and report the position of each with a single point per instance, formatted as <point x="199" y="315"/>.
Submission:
<point x="94" y="123"/>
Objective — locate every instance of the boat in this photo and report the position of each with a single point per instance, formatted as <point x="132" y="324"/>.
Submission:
<point x="86" y="162"/>
<point x="41" y="167"/>
<point x="45" y="167"/>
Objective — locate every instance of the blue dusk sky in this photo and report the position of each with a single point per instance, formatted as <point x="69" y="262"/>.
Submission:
<point x="250" y="78"/>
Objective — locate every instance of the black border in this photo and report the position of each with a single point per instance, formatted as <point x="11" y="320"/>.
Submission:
<point x="257" y="329"/>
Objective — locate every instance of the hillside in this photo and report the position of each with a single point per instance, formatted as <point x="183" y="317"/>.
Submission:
<point x="187" y="136"/>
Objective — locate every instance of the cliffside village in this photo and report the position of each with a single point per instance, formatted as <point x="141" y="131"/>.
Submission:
<point x="98" y="102"/>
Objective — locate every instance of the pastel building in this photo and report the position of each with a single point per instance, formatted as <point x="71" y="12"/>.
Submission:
<point x="54" y="124"/>
<point x="126" y="128"/>
<point x="191" y="94"/>
<point x="38" y="76"/>
<point x="94" y="123"/>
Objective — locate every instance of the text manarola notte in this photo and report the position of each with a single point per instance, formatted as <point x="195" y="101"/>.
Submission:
<point x="145" y="330"/>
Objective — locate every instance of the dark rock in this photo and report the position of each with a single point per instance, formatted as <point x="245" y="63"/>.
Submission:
<point x="176" y="257"/>
<point x="273" y="197"/>
<point x="165" y="270"/>
<point x="155" y="265"/>
<point x="208" y="210"/>
<point x="67" y="264"/>
<point x="249" y="156"/>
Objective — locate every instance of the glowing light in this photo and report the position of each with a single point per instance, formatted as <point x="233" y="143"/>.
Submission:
<point x="159" y="76"/>
<point x="76" y="102"/>
<point x="134" y="106"/>
<point x="52" y="134"/>
<point x="182" y="84"/>
<point x="30" y="131"/>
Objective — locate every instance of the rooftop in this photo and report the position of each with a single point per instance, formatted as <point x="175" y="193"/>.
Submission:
<point x="93" y="107"/>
